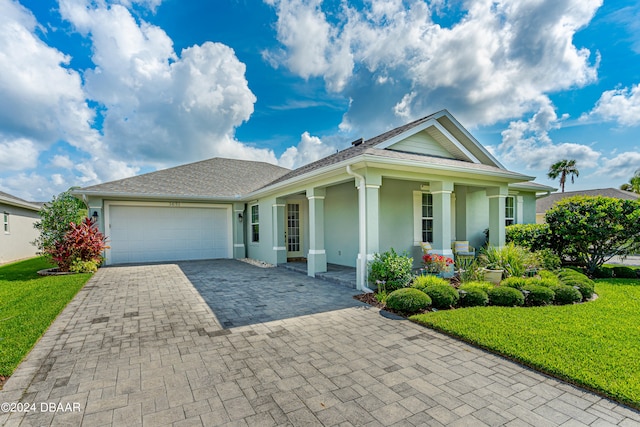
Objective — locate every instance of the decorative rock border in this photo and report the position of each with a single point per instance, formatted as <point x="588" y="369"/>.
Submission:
<point x="54" y="272"/>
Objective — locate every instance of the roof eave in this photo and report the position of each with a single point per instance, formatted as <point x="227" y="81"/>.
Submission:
<point x="156" y="196"/>
<point x="20" y="204"/>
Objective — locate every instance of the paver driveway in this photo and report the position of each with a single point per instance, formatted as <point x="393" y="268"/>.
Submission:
<point x="139" y="346"/>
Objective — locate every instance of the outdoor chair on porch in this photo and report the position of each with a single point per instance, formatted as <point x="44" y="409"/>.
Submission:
<point x="461" y="248"/>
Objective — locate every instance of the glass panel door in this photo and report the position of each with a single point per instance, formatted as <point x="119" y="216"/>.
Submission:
<point x="294" y="243"/>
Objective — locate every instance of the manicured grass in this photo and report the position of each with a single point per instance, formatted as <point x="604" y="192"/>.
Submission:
<point x="596" y="344"/>
<point x="28" y="305"/>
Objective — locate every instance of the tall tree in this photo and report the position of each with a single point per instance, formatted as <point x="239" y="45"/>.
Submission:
<point x="562" y="169"/>
<point x="633" y="184"/>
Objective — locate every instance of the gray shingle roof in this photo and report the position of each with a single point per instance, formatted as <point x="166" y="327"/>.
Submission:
<point x="543" y="204"/>
<point x="16" y="201"/>
<point x="213" y="178"/>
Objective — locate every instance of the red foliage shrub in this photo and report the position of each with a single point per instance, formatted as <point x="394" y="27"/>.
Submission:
<point x="83" y="242"/>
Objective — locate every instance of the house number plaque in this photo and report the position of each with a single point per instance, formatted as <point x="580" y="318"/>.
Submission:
<point x="174" y="204"/>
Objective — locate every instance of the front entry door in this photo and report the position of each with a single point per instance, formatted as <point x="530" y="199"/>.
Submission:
<point x="294" y="231"/>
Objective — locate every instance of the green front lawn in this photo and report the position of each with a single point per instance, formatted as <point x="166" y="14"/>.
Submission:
<point x="595" y="344"/>
<point x="28" y="305"/>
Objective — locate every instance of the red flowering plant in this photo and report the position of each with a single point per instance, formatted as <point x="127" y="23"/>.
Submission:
<point x="435" y="263"/>
<point x="80" y="250"/>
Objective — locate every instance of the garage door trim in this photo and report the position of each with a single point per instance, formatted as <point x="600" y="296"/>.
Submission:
<point x="168" y="204"/>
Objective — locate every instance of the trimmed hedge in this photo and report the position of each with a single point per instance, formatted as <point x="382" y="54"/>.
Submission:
<point x="566" y="295"/>
<point x="442" y="296"/>
<point x="624" y="272"/>
<point x="408" y="300"/>
<point x="477" y="284"/>
<point x="514" y="282"/>
<point x="422" y="282"/>
<point x="473" y="297"/>
<point x="546" y="282"/>
<point x="603" y="272"/>
<point x="505" y="296"/>
<point x="538" y="295"/>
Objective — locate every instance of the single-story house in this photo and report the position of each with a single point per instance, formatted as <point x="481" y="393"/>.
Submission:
<point x="543" y="204"/>
<point x="18" y="217"/>
<point x="429" y="180"/>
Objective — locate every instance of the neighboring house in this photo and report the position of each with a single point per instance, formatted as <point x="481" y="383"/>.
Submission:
<point x="543" y="204"/>
<point x="429" y="180"/>
<point x="17" y="233"/>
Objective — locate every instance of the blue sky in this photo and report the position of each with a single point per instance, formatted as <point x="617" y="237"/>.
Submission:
<point x="92" y="91"/>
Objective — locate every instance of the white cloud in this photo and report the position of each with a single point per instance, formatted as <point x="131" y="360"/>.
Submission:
<point x="42" y="99"/>
<point x="162" y="107"/>
<point x="624" y="165"/>
<point x="60" y="161"/>
<point x="528" y="143"/>
<point x="17" y="154"/>
<point x="498" y="62"/>
<point x="309" y="149"/>
<point x="619" y="105"/>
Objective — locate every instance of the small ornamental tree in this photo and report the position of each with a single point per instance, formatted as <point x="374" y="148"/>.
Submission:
<point x="80" y="249"/>
<point x="591" y="230"/>
<point x="56" y="218"/>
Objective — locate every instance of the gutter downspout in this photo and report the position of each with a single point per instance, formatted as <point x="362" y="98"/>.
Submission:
<point x="361" y="283"/>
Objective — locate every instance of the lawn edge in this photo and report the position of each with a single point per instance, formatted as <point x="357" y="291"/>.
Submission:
<point x="632" y="405"/>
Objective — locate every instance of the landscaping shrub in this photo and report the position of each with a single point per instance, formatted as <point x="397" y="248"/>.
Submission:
<point x="392" y="269"/>
<point x="514" y="260"/>
<point x="624" y="272"/>
<point x="514" y="282"/>
<point x="81" y="243"/>
<point x="548" y="259"/>
<point x="505" y="296"/>
<point x="55" y="221"/>
<point x="442" y="296"/>
<point x="473" y="297"/>
<point x="591" y="230"/>
<point x="603" y="272"/>
<point x="549" y="275"/>
<point x="530" y="236"/>
<point x="568" y="272"/>
<point x="538" y="295"/>
<point x="566" y="295"/>
<point x="547" y="283"/>
<point x="408" y="300"/>
<point x="485" y="286"/>
<point x="585" y="287"/>
<point x="422" y="282"/>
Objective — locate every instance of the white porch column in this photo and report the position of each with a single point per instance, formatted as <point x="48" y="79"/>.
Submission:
<point x="239" y="251"/>
<point x="317" y="257"/>
<point x="373" y="218"/>
<point x="441" y="193"/>
<point x="519" y="210"/>
<point x="278" y="227"/>
<point x="497" y="196"/>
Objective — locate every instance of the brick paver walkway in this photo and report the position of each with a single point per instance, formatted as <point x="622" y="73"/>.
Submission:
<point x="139" y="346"/>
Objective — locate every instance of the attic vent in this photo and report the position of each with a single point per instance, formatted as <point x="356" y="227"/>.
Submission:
<point x="357" y="142"/>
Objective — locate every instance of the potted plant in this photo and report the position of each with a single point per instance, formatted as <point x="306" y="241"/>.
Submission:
<point x="492" y="273"/>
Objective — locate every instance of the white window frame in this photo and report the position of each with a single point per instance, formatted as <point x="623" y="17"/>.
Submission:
<point x="254" y="221"/>
<point x="418" y="218"/>
<point x="509" y="219"/>
<point x="6" y="224"/>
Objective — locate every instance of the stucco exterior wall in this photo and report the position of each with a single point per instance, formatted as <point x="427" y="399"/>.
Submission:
<point x="15" y="244"/>
<point x="341" y="224"/>
<point x="529" y="206"/>
<point x="396" y="217"/>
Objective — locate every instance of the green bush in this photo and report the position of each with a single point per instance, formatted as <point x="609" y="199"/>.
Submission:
<point x="567" y="273"/>
<point x="547" y="283"/>
<point x="390" y="270"/>
<point x="408" y="300"/>
<point x="566" y="295"/>
<point x="514" y="282"/>
<point x="505" y="296"/>
<point x="80" y="266"/>
<point x="548" y="259"/>
<point x="422" y="282"/>
<point x="549" y="275"/>
<point x="485" y="286"/>
<point x="442" y="296"/>
<point x="578" y="280"/>
<point x="603" y="272"/>
<point x="514" y="260"/>
<point x="530" y="236"/>
<point x="473" y="297"/>
<point x="624" y="272"/>
<point x="538" y="295"/>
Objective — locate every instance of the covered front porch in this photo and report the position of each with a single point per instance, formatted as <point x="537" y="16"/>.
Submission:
<point x="339" y="274"/>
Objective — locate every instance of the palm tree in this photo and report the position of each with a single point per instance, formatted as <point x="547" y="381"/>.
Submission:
<point x="633" y="184"/>
<point x="562" y="169"/>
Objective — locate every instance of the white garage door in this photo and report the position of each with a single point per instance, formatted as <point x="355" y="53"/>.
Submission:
<point x="160" y="233"/>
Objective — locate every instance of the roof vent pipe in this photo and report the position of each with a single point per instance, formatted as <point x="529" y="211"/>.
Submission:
<point x="357" y="142"/>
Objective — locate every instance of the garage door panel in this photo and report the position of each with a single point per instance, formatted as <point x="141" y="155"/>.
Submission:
<point x="152" y="233"/>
